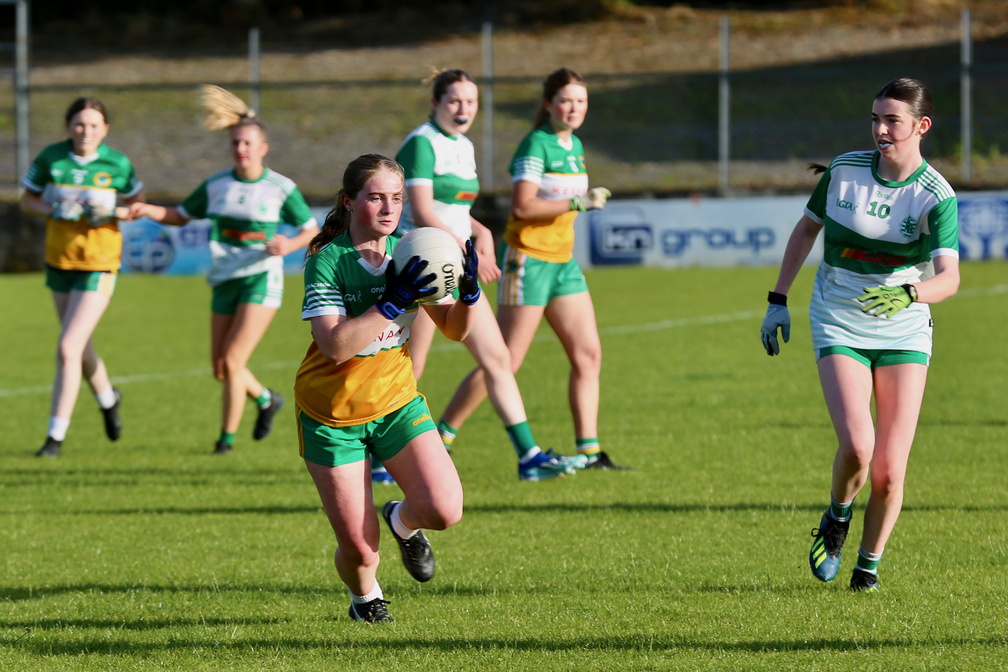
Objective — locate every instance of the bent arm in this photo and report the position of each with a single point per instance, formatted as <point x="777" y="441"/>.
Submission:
<point x="32" y="204"/>
<point x="525" y="205"/>
<point x="454" y="320"/>
<point x="340" y="337"/>
<point x="159" y="213"/>
<point x="799" y="245"/>
<point x="944" y="283"/>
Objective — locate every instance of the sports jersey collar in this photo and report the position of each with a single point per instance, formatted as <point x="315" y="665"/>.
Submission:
<point x="234" y="176"/>
<point x="84" y="160"/>
<point x="442" y="131"/>
<point x="889" y="183"/>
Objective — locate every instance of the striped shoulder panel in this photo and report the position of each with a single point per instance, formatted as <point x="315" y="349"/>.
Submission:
<point x="285" y="183"/>
<point x="858" y="159"/>
<point x="934" y="182"/>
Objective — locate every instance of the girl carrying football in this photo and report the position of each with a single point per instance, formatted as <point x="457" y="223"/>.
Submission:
<point x="355" y="393"/>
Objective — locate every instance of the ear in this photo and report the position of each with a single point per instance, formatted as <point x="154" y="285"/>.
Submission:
<point x="925" y="125"/>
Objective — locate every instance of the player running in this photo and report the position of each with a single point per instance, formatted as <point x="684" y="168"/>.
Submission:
<point x="75" y="185"/>
<point x="246" y="205"/>
<point x="356" y="395"/>
<point x="891" y="247"/>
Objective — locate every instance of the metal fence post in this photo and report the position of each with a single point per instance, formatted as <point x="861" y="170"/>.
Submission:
<point x="966" y="93"/>
<point x="488" y="107"/>
<point x="724" y="109"/>
<point x="254" y="82"/>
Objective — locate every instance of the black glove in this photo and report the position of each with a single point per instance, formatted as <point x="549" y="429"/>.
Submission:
<point x="404" y="289"/>
<point x="469" y="289"/>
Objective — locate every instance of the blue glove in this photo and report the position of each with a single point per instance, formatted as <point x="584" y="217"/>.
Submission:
<point x="777" y="315"/>
<point x="469" y="289"/>
<point x="404" y="289"/>
<point x="887" y="301"/>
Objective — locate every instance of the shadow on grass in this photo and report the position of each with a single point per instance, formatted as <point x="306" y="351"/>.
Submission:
<point x="644" y="643"/>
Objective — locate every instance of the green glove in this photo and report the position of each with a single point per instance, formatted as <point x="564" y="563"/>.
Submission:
<point x="886" y="301"/>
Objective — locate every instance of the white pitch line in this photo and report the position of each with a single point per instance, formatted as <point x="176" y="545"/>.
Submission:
<point x="661" y="325"/>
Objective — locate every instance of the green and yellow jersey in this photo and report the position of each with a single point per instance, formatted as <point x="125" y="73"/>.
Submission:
<point x="57" y="174"/>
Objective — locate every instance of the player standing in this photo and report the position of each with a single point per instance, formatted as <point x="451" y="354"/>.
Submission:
<point x="441" y="184"/>
<point x="246" y="205"/>
<point x="540" y="277"/>
<point x="75" y="185"/>
<point x="355" y="391"/>
<point x="890" y="249"/>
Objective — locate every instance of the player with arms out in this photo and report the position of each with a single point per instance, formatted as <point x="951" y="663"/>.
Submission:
<point x="441" y="186"/>
<point x="75" y="185"/>
<point x="540" y="276"/>
<point x="246" y="205"/>
<point x="890" y="249"/>
<point x="356" y="397"/>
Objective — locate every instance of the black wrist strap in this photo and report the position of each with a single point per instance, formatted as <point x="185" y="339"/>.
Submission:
<point x="911" y="291"/>
<point x="777" y="299"/>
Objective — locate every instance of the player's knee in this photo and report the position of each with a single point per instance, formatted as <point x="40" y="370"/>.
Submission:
<point x="442" y="511"/>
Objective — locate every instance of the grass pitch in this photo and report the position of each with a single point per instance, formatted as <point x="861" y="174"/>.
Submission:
<point x="151" y="553"/>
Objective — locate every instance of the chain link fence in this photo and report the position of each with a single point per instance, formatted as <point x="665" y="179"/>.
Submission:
<point x="645" y="133"/>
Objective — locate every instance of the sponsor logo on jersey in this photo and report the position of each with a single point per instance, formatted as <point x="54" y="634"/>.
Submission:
<point x="845" y="205"/>
<point x="874" y="257"/>
<point x="466" y="196"/>
<point x="908" y="227"/>
<point x="102" y="179"/>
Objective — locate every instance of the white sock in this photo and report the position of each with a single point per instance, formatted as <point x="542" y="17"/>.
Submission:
<point x="106" y="399"/>
<point x="376" y="593"/>
<point x="529" y="455"/>
<point x="58" y="428"/>
<point x="398" y="526"/>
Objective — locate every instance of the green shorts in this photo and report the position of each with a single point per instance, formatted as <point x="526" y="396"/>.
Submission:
<point x="63" y="281"/>
<point x="264" y="288"/>
<point x="383" y="438"/>
<point x="526" y="281"/>
<point x="873" y="359"/>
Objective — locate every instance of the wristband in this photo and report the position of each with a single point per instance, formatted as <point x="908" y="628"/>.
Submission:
<point x="777" y="299"/>
<point x="911" y="291"/>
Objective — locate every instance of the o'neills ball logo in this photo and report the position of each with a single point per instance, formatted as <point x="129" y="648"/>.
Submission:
<point x="450" y="279"/>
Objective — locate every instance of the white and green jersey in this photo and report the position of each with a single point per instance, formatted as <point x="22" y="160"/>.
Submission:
<point x="244" y="215"/>
<point x="877" y="232"/>
<point x="378" y="379"/>
<point x="558" y="167"/>
<point x="430" y="157"/>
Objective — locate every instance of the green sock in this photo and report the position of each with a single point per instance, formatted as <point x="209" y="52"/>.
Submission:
<point x="447" y="433"/>
<point x="840" y="511"/>
<point x="226" y="437"/>
<point x="521" y="438"/>
<point x="264" y="399"/>
<point x="868" y="562"/>
<point x="588" y="446"/>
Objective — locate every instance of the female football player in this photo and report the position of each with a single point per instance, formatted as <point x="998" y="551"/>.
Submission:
<point x="75" y="185"/>
<point x="890" y="249"/>
<point x="441" y="185"/>
<point x="355" y="393"/>
<point x="245" y="204"/>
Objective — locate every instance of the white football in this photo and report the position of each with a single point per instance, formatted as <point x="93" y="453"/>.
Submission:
<point x="441" y="252"/>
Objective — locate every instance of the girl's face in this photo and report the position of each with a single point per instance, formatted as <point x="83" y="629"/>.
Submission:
<point x="87" y="131"/>
<point x="248" y="148"/>
<point x="897" y="133"/>
<point x="456" y="110"/>
<point x="568" y="107"/>
<point x="378" y="205"/>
